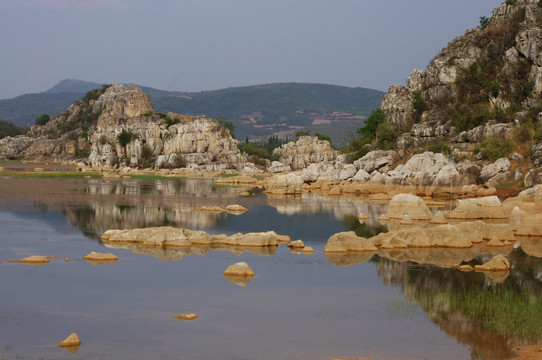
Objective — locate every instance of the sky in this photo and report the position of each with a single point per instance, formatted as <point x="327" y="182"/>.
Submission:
<point x="196" y="45"/>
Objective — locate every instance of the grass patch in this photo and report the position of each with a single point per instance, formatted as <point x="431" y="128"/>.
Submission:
<point x="7" y="162"/>
<point x="228" y="175"/>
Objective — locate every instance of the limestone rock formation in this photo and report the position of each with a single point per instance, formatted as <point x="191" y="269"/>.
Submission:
<point x="306" y="150"/>
<point x="149" y="139"/>
<point x="33" y="260"/>
<point x="100" y="258"/>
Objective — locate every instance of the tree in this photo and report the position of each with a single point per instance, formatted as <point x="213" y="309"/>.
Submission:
<point x="226" y="124"/>
<point x="124" y="137"/>
<point x="368" y="130"/>
<point x="42" y="119"/>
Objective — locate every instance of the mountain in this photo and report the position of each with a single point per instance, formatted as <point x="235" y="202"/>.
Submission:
<point x="73" y="86"/>
<point x="256" y="111"/>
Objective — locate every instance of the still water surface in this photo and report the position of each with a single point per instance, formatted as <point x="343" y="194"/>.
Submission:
<point x="296" y="307"/>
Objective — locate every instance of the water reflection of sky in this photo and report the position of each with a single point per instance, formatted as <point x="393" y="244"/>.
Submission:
<point x="296" y="307"/>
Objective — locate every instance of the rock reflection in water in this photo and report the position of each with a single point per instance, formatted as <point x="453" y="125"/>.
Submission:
<point x="492" y="315"/>
<point x="179" y="253"/>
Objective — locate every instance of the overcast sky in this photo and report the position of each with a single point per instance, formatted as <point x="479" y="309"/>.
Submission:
<point x="194" y="45"/>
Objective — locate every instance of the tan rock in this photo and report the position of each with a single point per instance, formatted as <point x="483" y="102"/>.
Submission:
<point x="33" y="260"/>
<point x="100" y="258"/>
<point x="39" y="169"/>
<point x="348" y="241"/>
<point x="239" y="269"/>
<point x="297" y="244"/>
<point x="495" y="241"/>
<point x="362" y="217"/>
<point x="2" y="169"/>
<point x="236" y="209"/>
<point x="465" y="268"/>
<point x="67" y="260"/>
<point x="70" y="341"/>
<point x="408" y="204"/>
<point x="439" y="236"/>
<point x="439" y="218"/>
<point x="489" y="207"/>
<point x="497" y="263"/>
<point x="187" y="317"/>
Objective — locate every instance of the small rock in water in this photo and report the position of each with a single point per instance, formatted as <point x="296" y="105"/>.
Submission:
<point x="100" y="258"/>
<point x="236" y="208"/>
<point x="362" y="217"/>
<point x="33" y="260"/>
<point x="210" y="208"/>
<point x="71" y="343"/>
<point x="297" y="244"/>
<point x="67" y="260"/>
<point x="308" y="250"/>
<point x="187" y="317"/>
<point x="239" y="269"/>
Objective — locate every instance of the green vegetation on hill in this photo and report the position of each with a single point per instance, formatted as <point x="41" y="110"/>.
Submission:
<point x="9" y="129"/>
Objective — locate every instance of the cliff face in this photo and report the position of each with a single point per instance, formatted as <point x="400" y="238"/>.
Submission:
<point x="491" y="74"/>
<point x="91" y="128"/>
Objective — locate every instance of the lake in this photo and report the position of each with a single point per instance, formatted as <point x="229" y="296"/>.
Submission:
<point x="296" y="307"/>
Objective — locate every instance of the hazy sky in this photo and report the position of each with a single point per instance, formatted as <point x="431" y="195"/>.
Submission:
<point x="193" y="45"/>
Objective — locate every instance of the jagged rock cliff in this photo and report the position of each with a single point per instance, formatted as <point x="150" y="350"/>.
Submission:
<point x="490" y="75"/>
<point x="91" y="128"/>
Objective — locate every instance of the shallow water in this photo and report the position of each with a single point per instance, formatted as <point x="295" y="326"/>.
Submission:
<point x="296" y="307"/>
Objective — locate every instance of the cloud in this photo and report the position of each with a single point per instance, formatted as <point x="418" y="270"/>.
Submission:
<point x="78" y="5"/>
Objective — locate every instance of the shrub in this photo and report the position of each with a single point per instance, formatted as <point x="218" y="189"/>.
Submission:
<point x="418" y="102"/>
<point x="440" y="146"/>
<point x="103" y="139"/>
<point x="370" y="126"/>
<point x="484" y="22"/>
<point x="323" y="137"/>
<point x="510" y="2"/>
<point x="81" y="153"/>
<point x="42" y="119"/>
<point x="179" y="161"/>
<point x="523" y="89"/>
<point x="9" y="129"/>
<point x="386" y="136"/>
<point x="302" y="133"/>
<point x="169" y="120"/>
<point x="124" y="137"/>
<point x="226" y="124"/>
<point x="495" y="147"/>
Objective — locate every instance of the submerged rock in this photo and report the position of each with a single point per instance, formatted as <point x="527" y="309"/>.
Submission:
<point x="187" y="317"/>
<point x="235" y="208"/>
<point x="33" y="260"/>
<point x="297" y="244"/>
<point x="100" y="258"/>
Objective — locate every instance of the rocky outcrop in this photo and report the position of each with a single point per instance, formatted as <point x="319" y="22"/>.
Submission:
<point x="177" y="237"/>
<point x="150" y="139"/>
<point x="306" y="150"/>
<point x="239" y="269"/>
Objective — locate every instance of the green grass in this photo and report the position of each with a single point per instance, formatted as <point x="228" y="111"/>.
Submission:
<point x="229" y="175"/>
<point x="50" y="175"/>
<point x="7" y="162"/>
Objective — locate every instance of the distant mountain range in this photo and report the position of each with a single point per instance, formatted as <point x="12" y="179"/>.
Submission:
<point x="256" y="111"/>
